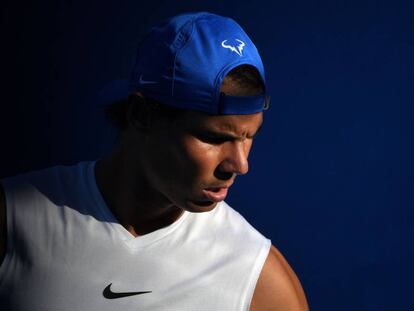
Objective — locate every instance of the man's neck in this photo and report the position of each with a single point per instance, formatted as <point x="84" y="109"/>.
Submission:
<point x="135" y="204"/>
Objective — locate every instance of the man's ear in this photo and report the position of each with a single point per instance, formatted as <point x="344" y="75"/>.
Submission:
<point x="139" y="114"/>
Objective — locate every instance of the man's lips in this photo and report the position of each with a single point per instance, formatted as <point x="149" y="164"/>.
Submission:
<point x="215" y="194"/>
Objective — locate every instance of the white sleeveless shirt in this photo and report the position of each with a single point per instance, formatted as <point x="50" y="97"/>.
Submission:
<point x="65" y="247"/>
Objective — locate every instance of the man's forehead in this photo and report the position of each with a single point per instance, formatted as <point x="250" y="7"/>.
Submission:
<point x="224" y="123"/>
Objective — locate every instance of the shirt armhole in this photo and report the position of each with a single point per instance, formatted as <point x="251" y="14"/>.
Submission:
<point x="255" y="273"/>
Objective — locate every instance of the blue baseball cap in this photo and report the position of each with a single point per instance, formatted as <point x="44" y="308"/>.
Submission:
<point x="182" y="63"/>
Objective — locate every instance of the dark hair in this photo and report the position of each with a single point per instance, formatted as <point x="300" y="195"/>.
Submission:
<point x="245" y="77"/>
<point x="117" y="116"/>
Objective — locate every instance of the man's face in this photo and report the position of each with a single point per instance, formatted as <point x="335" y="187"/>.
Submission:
<point x="194" y="161"/>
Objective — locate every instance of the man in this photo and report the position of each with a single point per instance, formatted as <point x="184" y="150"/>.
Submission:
<point x="146" y="227"/>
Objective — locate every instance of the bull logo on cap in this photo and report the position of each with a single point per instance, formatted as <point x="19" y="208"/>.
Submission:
<point x="237" y="49"/>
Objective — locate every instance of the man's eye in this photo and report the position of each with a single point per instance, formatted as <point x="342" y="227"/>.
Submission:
<point x="215" y="140"/>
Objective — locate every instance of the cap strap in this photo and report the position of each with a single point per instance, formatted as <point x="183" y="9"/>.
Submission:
<point x="243" y="104"/>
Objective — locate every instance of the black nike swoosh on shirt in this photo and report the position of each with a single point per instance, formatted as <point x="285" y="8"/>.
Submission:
<point x="109" y="294"/>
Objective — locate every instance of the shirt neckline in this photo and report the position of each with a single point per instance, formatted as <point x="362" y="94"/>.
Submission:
<point x="131" y="241"/>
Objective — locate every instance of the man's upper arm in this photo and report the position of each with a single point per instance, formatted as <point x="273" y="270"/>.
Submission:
<point x="3" y="224"/>
<point x="278" y="288"/>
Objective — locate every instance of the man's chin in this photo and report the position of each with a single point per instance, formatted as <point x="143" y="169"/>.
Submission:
<point x="200" y="206"/>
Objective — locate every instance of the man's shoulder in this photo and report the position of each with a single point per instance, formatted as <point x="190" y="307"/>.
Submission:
<point x="234" y="222"/>
<point x="41" y="190"/>
<point x="47" y="176"/>
<point x="234" y="233"/>
<point x="61" y="185"/>
<point x="232" y="215"/>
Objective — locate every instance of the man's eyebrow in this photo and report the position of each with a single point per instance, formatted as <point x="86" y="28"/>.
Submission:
<point x="224" y="134"/>
<point x="218" y="134"/>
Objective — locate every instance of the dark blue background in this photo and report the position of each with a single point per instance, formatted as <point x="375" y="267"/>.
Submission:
<point x="332" y="177"/>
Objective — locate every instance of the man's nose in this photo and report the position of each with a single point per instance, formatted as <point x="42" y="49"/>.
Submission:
<point x="235" y="160"/>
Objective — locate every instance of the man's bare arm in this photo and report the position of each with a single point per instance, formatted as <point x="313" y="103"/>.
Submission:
<point x="278" y="288"/>
<point x="3" y="224"/>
